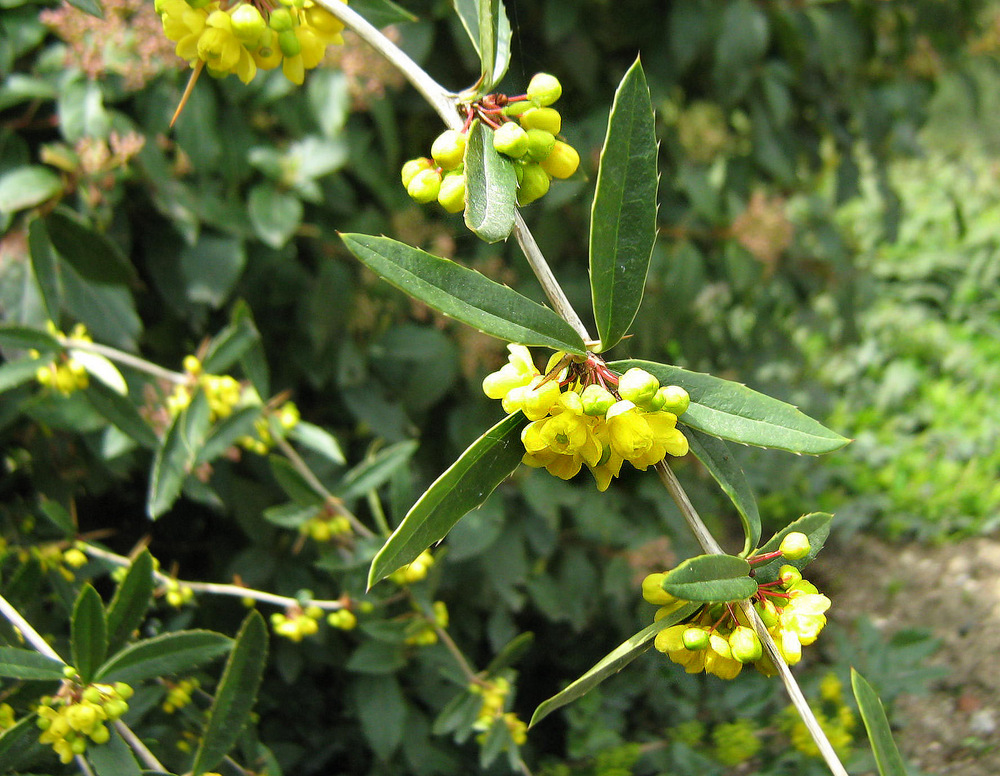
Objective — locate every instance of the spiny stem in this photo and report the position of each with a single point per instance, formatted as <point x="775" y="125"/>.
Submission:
<point x="199" y="66"/>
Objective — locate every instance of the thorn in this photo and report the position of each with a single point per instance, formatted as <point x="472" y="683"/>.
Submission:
<point x="187" y="90"/>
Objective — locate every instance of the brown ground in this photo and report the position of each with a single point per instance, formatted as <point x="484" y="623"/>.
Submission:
<point x="954" y="591"/>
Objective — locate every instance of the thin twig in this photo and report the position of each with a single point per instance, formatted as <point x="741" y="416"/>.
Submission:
<point x="30" y="634"/>
<point x="139" y="364"/>
<point x="83" y="765"/>
<point x="141" y="750"/>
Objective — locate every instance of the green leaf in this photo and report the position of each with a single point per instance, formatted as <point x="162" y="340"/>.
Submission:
<point x="169" y="653"/>
<point x="291" y="515"/>
<point x="293" y="483"/>
<point x="382" y="712"/>
<point x="729" y="410"/>
<point x="225" y="433"/>
<point x="623" y="217"/>
<point x="464" y="486"/>
<point x="27" y="186"/>
<point x="15" y="373"/>
<point x="211" y="268"/>
<point x="718" y="459"/>
<point x="119" y="411"/>
<point x="372" y="473"/>
<point x="93" y="7"/>
<point x="815" y="525"/>
<point x="177" y="454"/>
<point x="490" y="187"/>
<point x="25" y="338"/>
<point x="464" y="294"/>
<point x="58" y="516"/>
<point x="232" y="343"/>
<point x="887" y="756"/>
<point x="711" y="578"/>
<point x="109" y="312"/>
<point x="511" y="653"/>
<point x="382" y="13"/>
<point x="128" y="607"/>
<point x="92" y="255"/>
<point x="89" y="633"/>
<point x="24" y="664"/>
<point x="235" y="695"/>
<point x="610" y="664"/>
<point x="19" y="744"/>
<point x="113" y="758"/>
<point x="318" y="440"/>
<point x="45" y="266"/>
<point x="274" y="214"/>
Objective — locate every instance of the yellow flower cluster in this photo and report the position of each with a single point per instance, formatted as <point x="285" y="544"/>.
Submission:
<point x="415" y="571"/>
<point x="296" y="624"/>
<point x="7" y="719"/>
<point x="177" y="594"/>
<point x="342" y="619"/>
<point x="65" y="375"/>
<point x="718" y="639"/>
<point x="323" y="528"/>
<point x="422" y="631"/>
<point x="179" y="695"/>
<point x="495" y="695"/>
<point x="577" y="419"/>
<point x="241" y="37"/>
<point x="288" y="417"/>
<point x="77" y="713"/>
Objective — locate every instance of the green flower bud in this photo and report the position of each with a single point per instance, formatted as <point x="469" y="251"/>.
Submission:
<point x="655" y="404"/>
<point x="196" y="4"/>
<point x="124" y="691"/>
<point x="597" y="400"/>
<point x="451" y="195"/>
<point x="515" y="109"/>
<point x="248" y="24"/>
<point x="544" y="89"/>
<point x="69" y="672"/>
<point x="412" y="167"/>
<point x="534" y="184"/>
<point x="695" y="638"/>
<point x="448" y="149"/>
<point x="653" y="592"/>
<point x="675" y="399"/>
<point x="92" y="694"/>
<point x="768" y="612"/>
<point x="542" y="118"/>
<point x="100" y="735"/>
<point x="78" y="746"/>
<point x="424" y="186"/>
<point x="289" y="43"/>
<point x="794" y="546"/>
<point x="281" y="20"/>
<point x="789" y="575"/>
<point x="511" y="140"/>
<point x="562" y="162"/>
<point x="637" y="385"/>
<point x="745" y="645"/>
<point x="540" y="144"/>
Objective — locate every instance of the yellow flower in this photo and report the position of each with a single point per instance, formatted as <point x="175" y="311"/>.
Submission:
<point x="516" y="373"/>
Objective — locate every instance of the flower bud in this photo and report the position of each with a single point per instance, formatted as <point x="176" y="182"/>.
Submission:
<point x="675" y="399"/>
<point x="448" y="149"/>
<point x="562" y="162"/>
<point x="695" y="638"/>
<point x="322" y="20"/>
<point x="637" y="385"/>
<point x="534" y="184"/>
<point x="343" y="619"/>
<point x="542" y="118"/>
<point x="540" y="144"/>
<point x="789" y="575"/>
<point x="653" y="592"/>
<point x="745" y="645"/>
<point x="280" y="20"/>
<point x="424" y="186"/>
<point x="100" y="734"/>
<point x="767" y="611"/>
<point x="597" y="400"/>
<point x="515" y="109"/>
<point x="289" y="43"/>
<point x="511" y="140"/>
<point x="544" y="89"/>
<point x="412" y="167"/>
<point x="451" y="195"/>
<point x="74" y="557"/>
<point x="794" y="546"/>
<point x="247" y="23"/>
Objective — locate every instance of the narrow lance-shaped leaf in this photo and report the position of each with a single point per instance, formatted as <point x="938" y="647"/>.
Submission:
<point x="372" y="473"/>
<point x="718" y="459"/>
<point x="490" y="187"/>
<point x="91" y="254"/>
<point x="464" y="486"/>
<point x="230" y="344"/>
<point x="45" y="266"/>
<point x="113" y="758"/>
<point x="623" y="216"/>
<point x="611" y="663"/>
<point x="317" y="439"/>
<point x="19" y="744"/>
<point x="24" y="664"/>
<point x="486" y="13"/>
<point x="128" y="607"/>
<point x="225" y="433"/>
<point x="177" y="455"/>
<point x="235" y="695"/>
<point x="25" y="337"/>
<point x="729" y="410"/>
<point x="21" y="371"/>
<point x="711" y="578"/>
<point x="464" y="294"/>
<point x="89" y="632"/>
<point x="816" y="526"/>
<point x="887" y="756"/>
<point x="161" y="655"/>
<point x="122" y="413"/>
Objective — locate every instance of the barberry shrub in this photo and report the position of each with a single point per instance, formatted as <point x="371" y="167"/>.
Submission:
<point x="126" y="684"/>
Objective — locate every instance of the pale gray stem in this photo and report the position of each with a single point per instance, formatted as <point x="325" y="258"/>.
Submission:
<point x="113" y="354"/>
<point x="30" y="634"/>
<point x="141" y="750"/>
<point x="83" y="765"/>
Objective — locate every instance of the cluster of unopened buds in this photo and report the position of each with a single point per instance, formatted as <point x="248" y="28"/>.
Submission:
<point x="297" y="623"/>
<point x="179" y="694"/>
<point x="240" y="37"/>
<point x="342" y="619"/>
<point x="415" y="571"/>
<point x="719" y="638"/>
<point x="65" y="374"/>
<point x="52" y="557"/>
<point x="324" y="528"/>
<point x="525" y="129"/>
<point x="494" y="694"/>
<point x="78" y="713"/>
<point x="177" y="594"/>
<point x="583" y="413"/>
<point x="422" y="631"/>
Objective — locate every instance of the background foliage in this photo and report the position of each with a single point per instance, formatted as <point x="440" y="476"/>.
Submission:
<point x="826" y="236"/>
